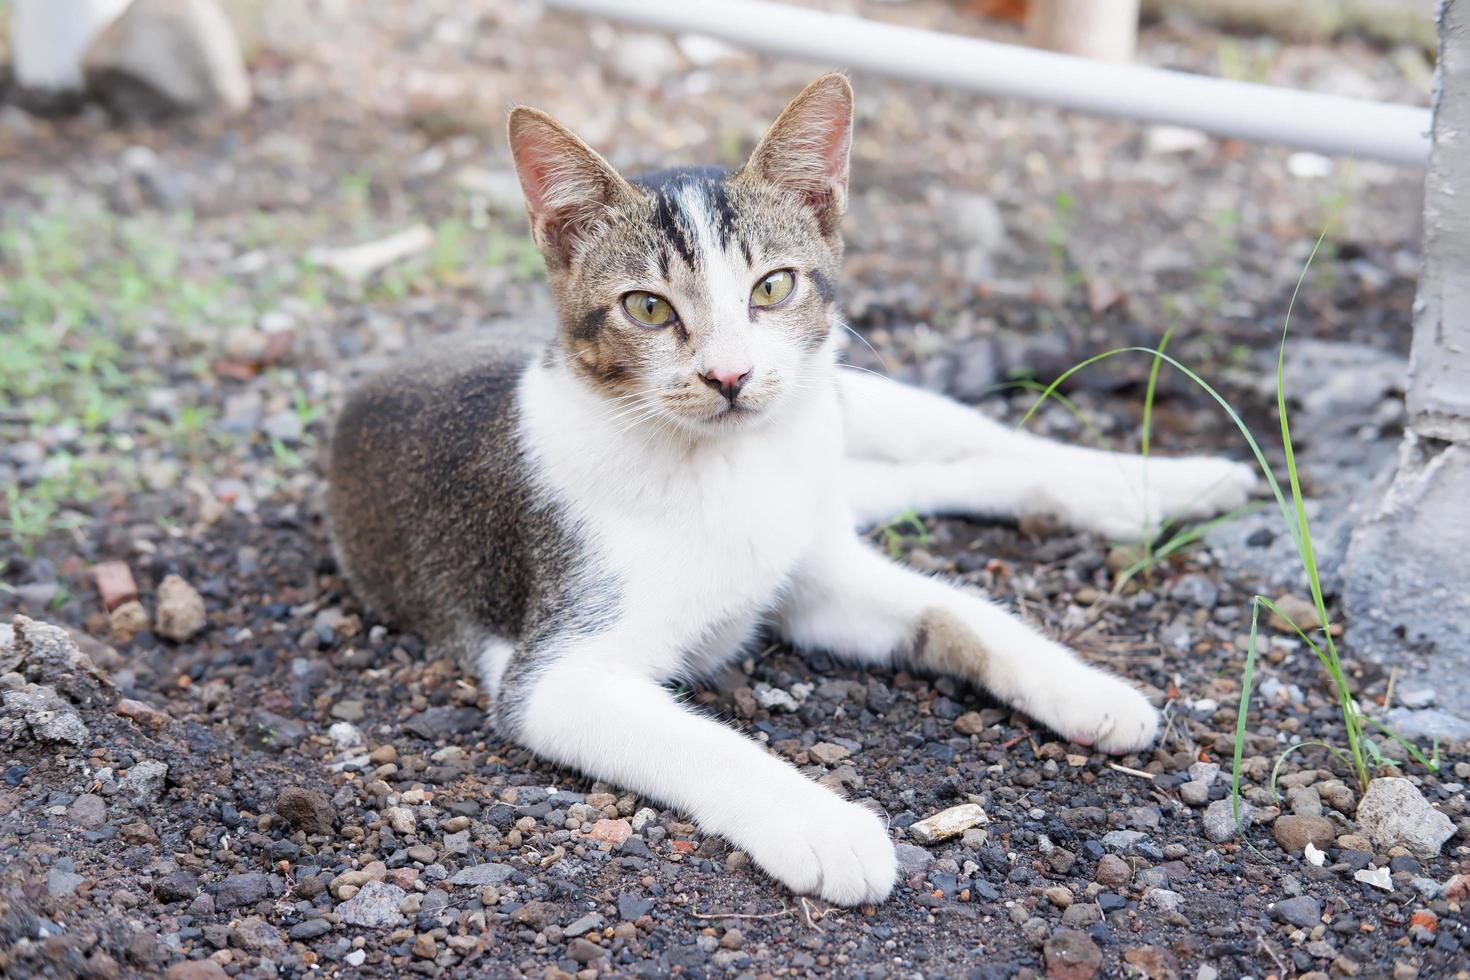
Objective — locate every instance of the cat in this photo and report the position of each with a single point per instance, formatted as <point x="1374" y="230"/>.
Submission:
<point x="687" y="466"/>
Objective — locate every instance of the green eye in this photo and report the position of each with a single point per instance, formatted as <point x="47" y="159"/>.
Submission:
<point x="773" y="288"/>
<point x="648" y="309"/>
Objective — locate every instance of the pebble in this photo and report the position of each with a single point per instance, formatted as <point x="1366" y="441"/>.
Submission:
<point x="180" y="612"/>
<point x="1294" y="831"/>
<point x="611" y="833"/>
<point x="242" y="889"/>
<point x="424" y="946"/>
<point x="144" y="782"/>
<point x="1060" y="896"/>
<point x="1112" y="871"/>
<point x="1218" y="819"/>
<point x="375" y="906"/>
<point x="1394" y="813"/>
<point x="1071" y="955"/>
<point x="401" y="819"/>
<point x="1163" y="899"/>
<point x="1195" y="793"/>
<point x="144" y="714"/>
<point x="115" y="583"/>
<point x="947" y="824"/>
<point x="482" y="874"/>
<point x="128" y="620"/>
<point x="970" y="723"/>
<point x="1304" y="911"/>
<point x="88" y="811"/>
<point x="585" y="951"/>
<point x="307" y="810"/>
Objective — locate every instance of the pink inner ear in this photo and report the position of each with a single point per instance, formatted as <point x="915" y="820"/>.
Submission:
<point x="534" y="154"/>
<point x="835" y="122"/>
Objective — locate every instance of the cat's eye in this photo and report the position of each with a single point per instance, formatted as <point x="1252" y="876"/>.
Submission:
<point x="773" y="288"/>
<point x="648" y="309"/>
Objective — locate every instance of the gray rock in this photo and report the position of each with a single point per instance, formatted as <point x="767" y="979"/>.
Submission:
<point x="584" y="925"/>
<point x="1196" y="590"/>
<point x="49" y="717"/>
<point x="62" y="882"/>
<point x="1394" y="813"/>
<point x="1430" y="723"/>
<point x="911" y="858"/>
<point x="1218" y="820"/>
<point x="1163" y="899"/>
<point x="443" y="721"/>
<point x="1305" y="801"/>
<point x="88" y="811"/>
<point x="167" y="56"/>
<point x="310" y="929"/>
<point x="306" y="809"/>
<point x="1123" y="841"/>
<point x="482" y="874"/>
<point x="1195" y="793"/>
<point x="144" y="782"/>
<point x="375" y="906"/>
<point x="180" y="611"/>
<point x="1304" y="911"/>
<point x="242" y="889"/>
<point x="176" y="887"/>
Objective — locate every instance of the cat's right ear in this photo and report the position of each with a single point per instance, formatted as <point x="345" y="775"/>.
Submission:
<point x="568" y="186"/>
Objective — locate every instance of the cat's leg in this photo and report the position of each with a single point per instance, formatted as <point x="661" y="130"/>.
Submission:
<point x="580" y="710"/>
<point x="912" y="450"/>
<point x="852" y="602"/>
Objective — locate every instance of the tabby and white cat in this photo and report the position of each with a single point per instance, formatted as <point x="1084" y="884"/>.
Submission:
<point x="687" y="466"/>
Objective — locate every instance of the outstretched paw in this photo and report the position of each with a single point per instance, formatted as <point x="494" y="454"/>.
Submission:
<point x="1101" y="711"/>
<point x="1131" y="498"/>
<point x="825" y="846"/>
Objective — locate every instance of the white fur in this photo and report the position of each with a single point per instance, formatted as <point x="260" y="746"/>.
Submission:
<point x="710" y="535"/>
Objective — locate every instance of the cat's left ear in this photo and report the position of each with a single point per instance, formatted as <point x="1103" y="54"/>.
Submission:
<point x="807" y="148"/>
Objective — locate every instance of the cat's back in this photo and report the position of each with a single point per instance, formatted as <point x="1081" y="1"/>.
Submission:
<point x="432" y="516"/>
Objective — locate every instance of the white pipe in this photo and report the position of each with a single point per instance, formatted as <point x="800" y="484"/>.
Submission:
<point x="1328" y="124"/>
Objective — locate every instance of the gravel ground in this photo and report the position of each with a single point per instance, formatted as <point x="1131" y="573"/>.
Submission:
<point x="233" y="772"/>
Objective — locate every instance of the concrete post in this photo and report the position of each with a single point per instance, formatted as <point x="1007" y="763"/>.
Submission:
<point x="1407" y="579"/>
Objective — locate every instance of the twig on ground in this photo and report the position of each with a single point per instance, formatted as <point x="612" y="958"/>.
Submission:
<point x="1132" y="772"/>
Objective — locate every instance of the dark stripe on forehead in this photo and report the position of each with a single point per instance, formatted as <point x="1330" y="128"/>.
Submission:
<point x="672" y="225"/>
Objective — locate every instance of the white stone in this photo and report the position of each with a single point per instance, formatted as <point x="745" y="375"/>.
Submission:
<point x="1394" y="813"/>
<point x="948" y="823"/>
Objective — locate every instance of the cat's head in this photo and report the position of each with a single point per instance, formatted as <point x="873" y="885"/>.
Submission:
<point x="698" y="296"/>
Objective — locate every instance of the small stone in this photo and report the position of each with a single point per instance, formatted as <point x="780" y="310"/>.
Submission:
<point x="126" y="622"/>
<point x="732" y="939"/>
<point x="144" y="714"/>
<point x="180" y="610"/>
<point x="424" y="946"/>
<point x="1304" y="911"/>
<point x="911" y="859"/>
<point x="970" y="723"/>
<point x="585" y="951"/>
<point x="1195" y="793"/>
<point x="61" y="883"/>
<point x="587" y="923"/>
<point x="88" y="811"/>
<point x="180" y="886"/>
<point x="611" y="833"/>
<point x="383" y="755"/>
<point x="401" y="819"/>
<point x="1163" y="899"/>
<point x="375" y="906"/>
<point x="1071" y="955"/>
<point x="1218" y="819"/>
<point x="307" y="810"/>
<point x="242" y="889"/>
<point x="1302" y="612"/>
<point x="1394" y="813"/>
<point x="115" y="584"/>
<point x="254" y="935"/>
<point x="828" y="753"/>
<point x="144" y="782"/>
<point x="1060" y="896"/>
<point x="1294" y="831"/>
<point x="949" y="823"/>
<point x="482" y="874"/>
<point x="422" y="853"/>
<point x="310" y="929"/>
<point x="1112" y="871"/>
<point x="355" y="958"/>
<point x="196" y="970"/>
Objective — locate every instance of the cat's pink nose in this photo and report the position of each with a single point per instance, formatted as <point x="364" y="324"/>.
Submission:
<point x="727" y="381"/>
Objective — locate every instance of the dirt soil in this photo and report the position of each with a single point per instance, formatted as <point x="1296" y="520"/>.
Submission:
<point x="237" y="773"/>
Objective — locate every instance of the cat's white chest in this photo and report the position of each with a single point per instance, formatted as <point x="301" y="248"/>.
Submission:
<point x="700" y="541"/>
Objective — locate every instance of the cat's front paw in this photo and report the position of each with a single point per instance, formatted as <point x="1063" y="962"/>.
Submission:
<point x="1097" y="709"/>
<point x="823" y="845"/>
<point x="1130" y="499"/>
